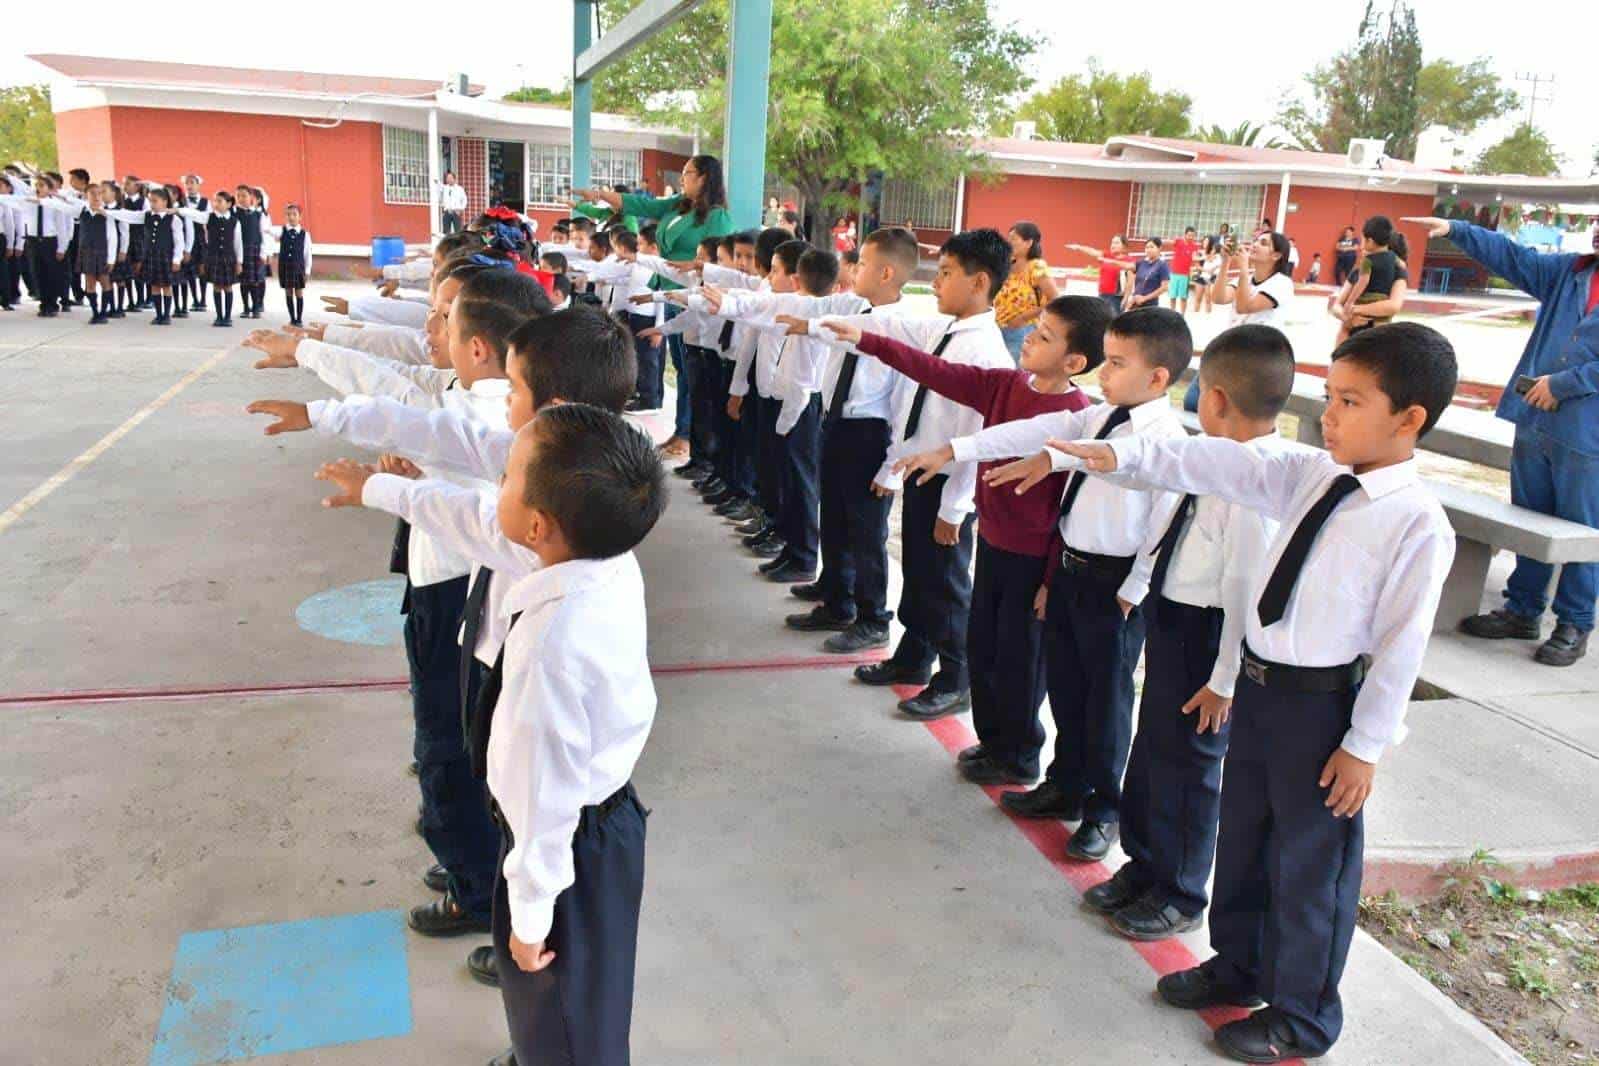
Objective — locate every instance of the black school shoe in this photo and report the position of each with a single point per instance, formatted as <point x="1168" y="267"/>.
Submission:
<point x="990" y="771"/>
<point x="971" y="754"/>
<point x="789" y="573"/>
<point x="771" y="547"/>
<point x="444" y="917"/>
<point x="692" y="470"/>
<point x="736" y="507"/>
<point x="1501" y="625"/>
<point x="1092" y="841"/>
<point x="504" y="1058"/>
<point x="862" y="636"/>
<point x="811" y="592"/>
<point x="777" y="562"/>
<point x="819" y="619"/>
<point x="929" y="706"/>
<point x="1199" y="988"/>
<point x="1148" y="918"/>
<point x="1264" y="1036"/>
<point x="1123" y="889"/>
<point x="889" y="672"/>
<point x="1048" y="800"/>
<point x="483" y="966"/>
<point x="765" y="531"/>
<point x="1565" y="646"/>
<point x="716" y="500"/>
<point x="436" y="879"/>
<point x="711" y="486"/>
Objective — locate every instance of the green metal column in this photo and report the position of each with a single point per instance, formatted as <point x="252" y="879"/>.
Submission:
<point x="582" y="94"/>
<point x="749" y="63"/>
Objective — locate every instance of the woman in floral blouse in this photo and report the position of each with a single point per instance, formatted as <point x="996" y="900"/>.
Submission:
<point x="1028" y="288"/>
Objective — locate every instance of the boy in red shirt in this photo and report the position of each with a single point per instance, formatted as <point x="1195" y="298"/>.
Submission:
<point x="1017" y="541"/>
<point x="1182" y="265"/>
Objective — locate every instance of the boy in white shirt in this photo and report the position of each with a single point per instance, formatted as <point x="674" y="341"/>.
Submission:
<point x="574" y="703"/>
<point x="1353" y="578"/>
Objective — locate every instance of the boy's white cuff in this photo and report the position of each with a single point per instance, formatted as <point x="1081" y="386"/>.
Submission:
<point x="964" y="449"/>
<point x="1059" y="461"/>
<point x="531" y="914"/>
<point x="385" y="492"/>
<point x="1362" y="746"/>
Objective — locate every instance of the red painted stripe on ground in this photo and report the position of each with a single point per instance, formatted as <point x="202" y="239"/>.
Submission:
<point x="175" y="694"/>
<point x="1049" y="837"/>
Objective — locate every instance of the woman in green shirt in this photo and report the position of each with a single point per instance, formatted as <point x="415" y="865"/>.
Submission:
<point x="681" y="223"/>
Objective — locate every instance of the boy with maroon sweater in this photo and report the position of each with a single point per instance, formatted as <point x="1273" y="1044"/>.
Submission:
<point x="1017" y="539"/>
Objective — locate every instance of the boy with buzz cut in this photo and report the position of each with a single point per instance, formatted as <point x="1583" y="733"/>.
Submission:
<point x="1015" y="534"/>
<point x="573" y="703"/>
<point x="1340" y="613"/>
<point x="1093" y="625"/>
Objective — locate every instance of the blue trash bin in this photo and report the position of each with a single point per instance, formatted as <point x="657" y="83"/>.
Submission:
<point x="386" y="250"/>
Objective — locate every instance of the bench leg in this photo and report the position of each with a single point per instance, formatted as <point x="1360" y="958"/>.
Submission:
<point x="1462" y="595"/>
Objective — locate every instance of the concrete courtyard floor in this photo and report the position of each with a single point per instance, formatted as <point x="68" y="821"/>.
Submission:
<point x="179" y="756"/>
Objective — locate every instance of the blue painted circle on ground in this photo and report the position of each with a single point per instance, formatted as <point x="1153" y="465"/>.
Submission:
<point x="367" y="612"/>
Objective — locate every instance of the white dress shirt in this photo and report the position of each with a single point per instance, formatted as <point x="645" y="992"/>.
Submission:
<point x="389" y="311"/>
<point x="452" y="197"/>
<point x="114" y="235"/>
<point x="575" y="709"/>
<point x="50" y="216"/>
<point x="1372" y="580"/>
<point x="410" y="272"/>
<point x="872" y="389"/>
<point x="797" y="363"/>
<point x="746" y="340"/>
<point x="400" y="343"/>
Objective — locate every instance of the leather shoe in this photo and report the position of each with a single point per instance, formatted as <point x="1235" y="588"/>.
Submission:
<point x="819" y="619"/>
<point x="971" y="754"/>
<point x="1123" y="889"/>
<point x="754" y="526"/>
<point x="889" y="672"/>
<point x="1198" y="988"/>
<point x="444" y="917"/>
<point x="774" y="563"/>
<point x="929" y="706"/>
<point x="436" y="878"/>
<point x="1092" y="841"/>
<point x="1500" y="625"/>
<point x="711" y="486"/>
<point x="989" y="771"/>
<point x="810" y="593"/>
<point x="770" y="548"/>
<point x="483" y="966"/>
<point x="741" y="512"/>
<point x="1148" y="918"/>
<point x="692" y="470"/>
<point x="1565" y="646"/>
<point x="789" y="573"/>
<point x="1048" y="800"/>
<point x="715" y="500"/>
<point x="1262" y="1037"/>
<point x="764" y="532"/>
<point x="730" y="506"/>
<point x="862" y="636"/>
<point x="415" y="769"/>
<point x="504" y="1058"/>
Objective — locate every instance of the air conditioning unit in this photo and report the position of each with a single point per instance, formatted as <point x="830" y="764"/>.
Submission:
<point x="1366" y="153"/>
<point x="459" y="84"/>
<point x="1024" y="131"/>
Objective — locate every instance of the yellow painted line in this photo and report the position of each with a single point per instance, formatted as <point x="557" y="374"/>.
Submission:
<point x="101" y="446"/>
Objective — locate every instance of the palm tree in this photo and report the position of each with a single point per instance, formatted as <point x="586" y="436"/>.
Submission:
<point x="1245" y="134"/>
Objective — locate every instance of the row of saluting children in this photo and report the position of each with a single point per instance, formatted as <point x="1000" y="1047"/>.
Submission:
<point x="1281" y="596"/>
<point x="144" y="245"/>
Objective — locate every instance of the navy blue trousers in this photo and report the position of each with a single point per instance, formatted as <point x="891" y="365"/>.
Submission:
<point x="936" y="598"/>
<point x="651" y="387"/>
<point x="743" y="432"/>
<point x="1090" y="651"/>
<point x="1005" y="646"/>
<point x="1171" y="796"/>
<point x="455" y="813"/>
<point x="769" y="453"/>
<point x="801" y="457"/>
<point x="578" y="1010"/>
<point x="854" y="525"/>
<point x="1287" y="872"/>
<point x="704" y="443"/>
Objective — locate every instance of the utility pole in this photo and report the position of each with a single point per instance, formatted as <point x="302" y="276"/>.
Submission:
<point x="1536" y="97"/>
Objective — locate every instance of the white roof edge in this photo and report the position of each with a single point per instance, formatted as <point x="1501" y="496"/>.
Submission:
<point x="1153" y="146"/>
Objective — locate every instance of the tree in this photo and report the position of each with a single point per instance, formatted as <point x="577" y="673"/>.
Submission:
<point x="1246" y="134"/>
<point x="535" y="94"/>
<point x="871" y="85"/>
<point x="27" y="127"/>
<point x="1525" y="151"/>
<point x="1461" y="96"/>
<point x="1102" y="105"/>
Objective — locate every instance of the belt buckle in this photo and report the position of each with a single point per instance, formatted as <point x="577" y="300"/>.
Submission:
<point x="1255" y="670"/>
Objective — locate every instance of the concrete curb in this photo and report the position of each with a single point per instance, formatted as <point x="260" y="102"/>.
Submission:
<point x="1414" y="876"/>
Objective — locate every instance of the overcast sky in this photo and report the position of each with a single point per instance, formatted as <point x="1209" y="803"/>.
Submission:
<point x="1235" y="60"/>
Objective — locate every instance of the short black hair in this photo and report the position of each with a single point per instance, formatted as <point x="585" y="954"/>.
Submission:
<point x="579" y="355"/>
<point x="600" y="240"/>
<point x="899" y="246"/>
<point x="818" y="271"/>
<point x="1413" y="364"/>
<point x="710" y="246"/>
<point x="1162" y="337"/>
<point x="981" y="251"/>
<point x="767" y="243"/>
<point x="1189" y="229"/>
<point x="556" y="261"/>
<point x="583" y="224"/>
<point x="494" y="303"/>
<point x="1156" y="241"/>
<point x="791" y="216"/>
<point x="849" y="255"/>
<point x="626" y="240"/>
<point x="79" y="173"/>
<point x="788" y="253"/>
<point x="457" y="242"/>
<point x="1379" y="230"/>
<point x="1086" y="319"/>
<point x="598" y="476"/>
<point x="1254" y="366"/>
<point x="744" y="236"/>
<point x="650" y="231"/>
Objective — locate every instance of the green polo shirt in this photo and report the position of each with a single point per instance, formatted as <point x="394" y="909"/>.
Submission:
<point x="677" y="234"/>
<point x="602" y="214"/>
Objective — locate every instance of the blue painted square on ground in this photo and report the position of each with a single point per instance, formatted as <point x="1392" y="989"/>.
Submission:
<point x="266" y="989"/>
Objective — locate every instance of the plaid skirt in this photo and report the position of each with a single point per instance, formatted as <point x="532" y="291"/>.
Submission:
<point x="122" y="270"/>
<point x="253" y="270"/>
<point x="91" y="263"/>
<point x="222" y="270"/>
<point x="157" y="268"/>
<point x="291" y="275"/>
<point x="190" y="269"/>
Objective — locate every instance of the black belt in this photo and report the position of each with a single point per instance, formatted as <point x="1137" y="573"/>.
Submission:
<point x="1268" y="674"/>
<point x="1108" y="567"/>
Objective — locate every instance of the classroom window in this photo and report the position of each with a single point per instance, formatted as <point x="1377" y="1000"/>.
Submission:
<point x="1163" y="210"/>
<point x="550" y="170"/>
<point x="405" y="166"/>
<point x="906" y="203"/>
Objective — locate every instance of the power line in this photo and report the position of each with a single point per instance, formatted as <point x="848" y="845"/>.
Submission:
<point x="1534" y="98"/>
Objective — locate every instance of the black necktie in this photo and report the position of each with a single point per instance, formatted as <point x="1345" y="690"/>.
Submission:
<point x="727" y="335"/>
<point x="40" y="230"/>
<point x="471" y="626"/>
<point x="846" y="378"/>
<point x="1274" y="601"/>
<point x="1168" y="545"/>
<point x="915" y="419"/>
<point x="487" y="697"/>
<point x="1075" y="484"/>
